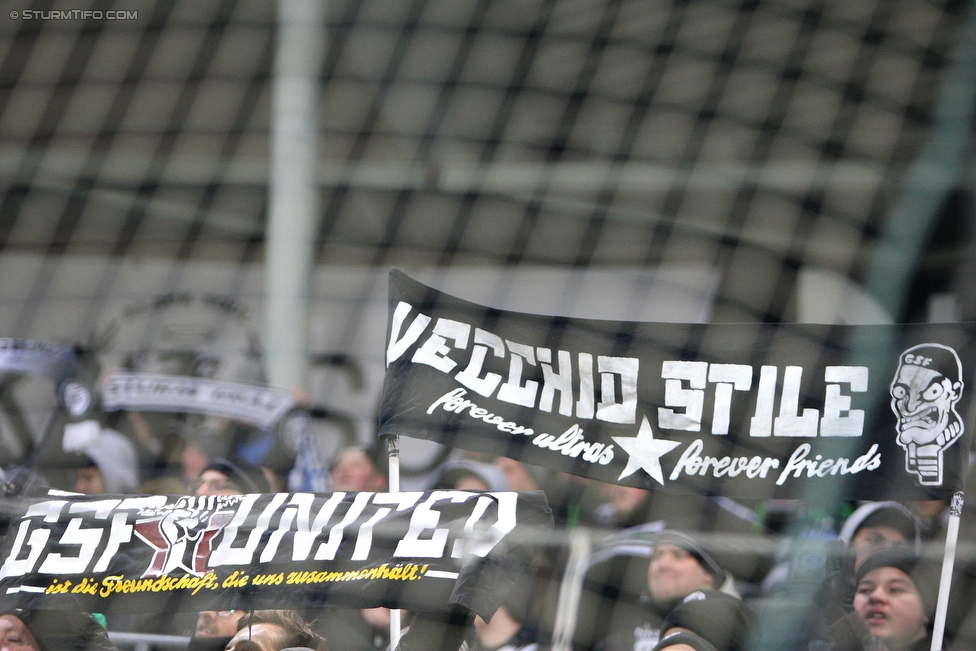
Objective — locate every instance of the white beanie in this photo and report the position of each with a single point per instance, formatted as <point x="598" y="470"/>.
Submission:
<point x="115" y="457"/>
<point x="895" y="511"/>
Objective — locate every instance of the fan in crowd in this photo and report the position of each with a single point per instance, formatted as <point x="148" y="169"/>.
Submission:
<point x="214" y="629"/>
<point x="508" y="628"/>
<point x="111" y="465"/>
<point x="218" y="623"/>
<point x="707" y="620"/>
<point x="470" y="475"/>
<point x="678" y="567"/>
<point x="52" y="630"/>
<point x="879" y="525"/>
<point x="893" y="605"/>
<point x="224" y="476"/>
<point x="358" y="468"/>
<point x="275" y="630"/>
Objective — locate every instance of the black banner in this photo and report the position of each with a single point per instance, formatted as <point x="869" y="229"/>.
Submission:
<point x="746" y="410"/>
<point x="415" y="550"/>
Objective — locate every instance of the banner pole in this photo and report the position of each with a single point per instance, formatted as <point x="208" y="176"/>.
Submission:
<point x="571" y="589"/>
<point x="393" y="446"/>
<point x="948" y="559"/>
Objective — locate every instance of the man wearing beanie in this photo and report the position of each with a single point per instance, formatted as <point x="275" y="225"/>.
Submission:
<point x="878" y="525"/>
<point x="678" y="567"/>
<point x="894" y="604"/>
<point x="720" y="619"/>
<point x="231" y="477"/>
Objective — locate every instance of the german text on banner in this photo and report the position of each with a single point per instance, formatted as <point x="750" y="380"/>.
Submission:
<point x="417" y="550"/>
<point x="745" y="410"/>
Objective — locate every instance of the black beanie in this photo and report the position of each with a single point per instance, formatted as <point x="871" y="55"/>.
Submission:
<point x="924" y="575"/>
<point x="718" y="617"/>
<point x="245" y="475"/>
<point x="696" y="642"/>
<point x="209" y="643"/>
<point x="900" y="519"/>
<point x="687" y="543"/>
<point x="62" y="630"/>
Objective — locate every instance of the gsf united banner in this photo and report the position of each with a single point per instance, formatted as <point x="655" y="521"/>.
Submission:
<point x="416" y="550"/>
<point x="748" y="410"/>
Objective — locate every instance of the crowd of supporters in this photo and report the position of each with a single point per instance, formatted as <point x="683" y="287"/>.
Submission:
<point x="665" y="571"/>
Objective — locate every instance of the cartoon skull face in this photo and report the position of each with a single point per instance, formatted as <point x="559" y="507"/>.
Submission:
<point x="924" y="392"/>
<point x="923" y="399"/>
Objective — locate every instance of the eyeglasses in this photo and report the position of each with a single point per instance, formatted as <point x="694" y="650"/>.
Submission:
<point x="223" y="614"/>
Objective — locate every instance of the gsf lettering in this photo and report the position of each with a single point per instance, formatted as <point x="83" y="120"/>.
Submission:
<point x="686" y="383"/>
<point x="571" y="379"/>
<point x="92" y="536"/>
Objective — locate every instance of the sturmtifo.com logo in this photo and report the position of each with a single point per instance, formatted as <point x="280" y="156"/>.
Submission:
<point x="74" y="14"/>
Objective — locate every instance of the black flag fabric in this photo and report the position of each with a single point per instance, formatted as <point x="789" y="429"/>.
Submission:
<point x="742" y="410"/>
<point x="423" y="551"/>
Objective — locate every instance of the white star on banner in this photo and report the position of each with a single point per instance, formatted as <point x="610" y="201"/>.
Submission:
<point x="645" y="452"/>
